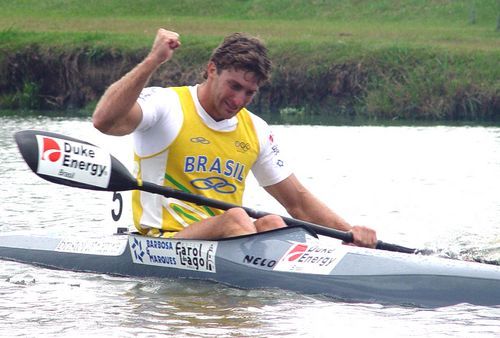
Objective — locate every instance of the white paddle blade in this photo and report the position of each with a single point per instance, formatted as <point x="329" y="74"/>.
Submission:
<point x="73" y="161"/>
<point x="68" y="161"/>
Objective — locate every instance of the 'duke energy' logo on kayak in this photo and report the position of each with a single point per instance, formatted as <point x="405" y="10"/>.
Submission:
<point x="309" y="258"/>
<point x="51" y="150"/>
<point x="74" y="161"/>
<point x="296" y="252"/>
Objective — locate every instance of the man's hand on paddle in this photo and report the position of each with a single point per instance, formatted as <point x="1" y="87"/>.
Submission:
<point x="164" y="45"/>
<point x="363" y="236"/>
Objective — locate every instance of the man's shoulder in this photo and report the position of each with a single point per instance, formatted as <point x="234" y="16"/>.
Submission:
<point x="151" y="93"/>
<point x="258" y="121"/>
<point x="160" y="107"/>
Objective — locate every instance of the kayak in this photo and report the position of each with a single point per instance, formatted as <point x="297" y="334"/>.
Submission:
<point x="292" y="258"/>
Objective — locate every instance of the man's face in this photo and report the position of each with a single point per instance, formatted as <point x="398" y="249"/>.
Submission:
<point x="231" y="90"/>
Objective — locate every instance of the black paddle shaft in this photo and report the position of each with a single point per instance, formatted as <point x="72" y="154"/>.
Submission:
<point x="201" y="200"/>
<point x="32" y="146"/>
<point x="319" y="229"/>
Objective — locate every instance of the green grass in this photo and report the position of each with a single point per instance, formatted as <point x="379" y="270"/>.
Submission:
<point x="397" y="10"/>
<point x="436" y="23"/>
<point x="414" y="58"/>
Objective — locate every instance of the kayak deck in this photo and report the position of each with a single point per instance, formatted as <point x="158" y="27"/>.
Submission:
<point x="290" y="258"/>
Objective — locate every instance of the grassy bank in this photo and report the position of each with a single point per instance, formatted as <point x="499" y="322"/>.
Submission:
<point x="387" y="59"/>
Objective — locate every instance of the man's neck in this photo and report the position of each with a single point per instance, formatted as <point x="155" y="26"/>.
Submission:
<point x="204" y="98"/>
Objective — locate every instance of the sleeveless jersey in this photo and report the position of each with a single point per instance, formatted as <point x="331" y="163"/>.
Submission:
<point x="202" y="161"/>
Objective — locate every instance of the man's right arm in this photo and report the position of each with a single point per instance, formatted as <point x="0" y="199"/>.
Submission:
<point x="118" y="112"/>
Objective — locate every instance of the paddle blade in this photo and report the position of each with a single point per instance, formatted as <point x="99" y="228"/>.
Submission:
<point x="68" y="161"/>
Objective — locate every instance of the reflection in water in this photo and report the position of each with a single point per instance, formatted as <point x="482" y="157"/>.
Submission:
<point x="194" y="304"/>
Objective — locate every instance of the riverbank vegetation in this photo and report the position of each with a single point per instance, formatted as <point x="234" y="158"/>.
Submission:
<point x="427" y="60"/>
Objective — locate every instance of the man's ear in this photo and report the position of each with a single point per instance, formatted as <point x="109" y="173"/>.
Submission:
<point x="211" y="69"/>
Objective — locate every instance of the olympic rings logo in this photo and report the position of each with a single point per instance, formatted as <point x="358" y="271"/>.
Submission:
<point x="216" y="183"/>
<point x="199" y="139"/>
<point x="242" y="146"/>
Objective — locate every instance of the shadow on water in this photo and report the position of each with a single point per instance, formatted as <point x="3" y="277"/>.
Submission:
<point x="46" y="113"/>
<point x="286" y="117"/>
<point x="300" y="118"/>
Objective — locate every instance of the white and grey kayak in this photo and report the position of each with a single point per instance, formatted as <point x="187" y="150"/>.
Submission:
<point x="292" y="258"/>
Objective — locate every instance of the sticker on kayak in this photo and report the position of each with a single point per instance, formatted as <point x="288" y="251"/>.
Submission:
<point x="188" y="255"/>
<point x="98" y="246"/>
<point x="74" y="161"/>
<point x="310" y="258"/>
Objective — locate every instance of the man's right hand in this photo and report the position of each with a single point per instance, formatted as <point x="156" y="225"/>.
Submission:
<point x="363" y="236"/>
<point x="164" y="45"/>
<point x="118" y="112"/>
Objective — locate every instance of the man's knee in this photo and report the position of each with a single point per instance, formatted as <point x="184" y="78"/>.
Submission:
<point x="238" y="215"/>
<point x="269" y="222"/>
<point x="236" y="220"/>
<point x="275" y="221"/>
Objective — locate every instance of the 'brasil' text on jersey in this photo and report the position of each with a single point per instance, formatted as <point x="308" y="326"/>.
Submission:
<point x="201" y="163"/>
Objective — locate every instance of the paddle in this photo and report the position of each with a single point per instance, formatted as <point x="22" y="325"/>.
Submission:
<point x="68" y="161"/>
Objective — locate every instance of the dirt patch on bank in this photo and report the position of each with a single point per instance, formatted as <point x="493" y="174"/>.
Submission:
<point x="45" y="79"/>
<point x="77" y="78"/>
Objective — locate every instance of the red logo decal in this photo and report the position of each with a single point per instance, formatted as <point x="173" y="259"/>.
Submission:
<point x="296" y="252"/>
<point x="51" y="150"/>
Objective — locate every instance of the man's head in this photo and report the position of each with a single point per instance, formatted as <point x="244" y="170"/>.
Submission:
<point x="240" y="51"/>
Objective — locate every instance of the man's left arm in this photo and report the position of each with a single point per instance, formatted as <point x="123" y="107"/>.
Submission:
<point x="300" y="203"/>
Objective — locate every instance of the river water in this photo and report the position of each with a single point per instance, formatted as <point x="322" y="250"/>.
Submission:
<point x="427" y="187"/>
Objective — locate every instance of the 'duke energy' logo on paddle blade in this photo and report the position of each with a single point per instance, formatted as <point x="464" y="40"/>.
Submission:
<point x="51" y="150"/>
<point x="73" y="161"/>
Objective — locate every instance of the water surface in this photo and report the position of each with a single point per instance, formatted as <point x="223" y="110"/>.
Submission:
<point x="428" y="187"/>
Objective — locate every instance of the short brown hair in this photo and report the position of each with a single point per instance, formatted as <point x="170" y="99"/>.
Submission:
<point x="240" y="51"/>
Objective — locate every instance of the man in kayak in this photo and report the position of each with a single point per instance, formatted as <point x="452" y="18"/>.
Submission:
<point x="201" y="139"/>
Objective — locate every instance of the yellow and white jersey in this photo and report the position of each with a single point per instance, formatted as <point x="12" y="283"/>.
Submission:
<point x="179" y="145"/>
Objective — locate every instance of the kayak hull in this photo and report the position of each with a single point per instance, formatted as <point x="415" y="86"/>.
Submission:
<point x="291" y="259"/>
